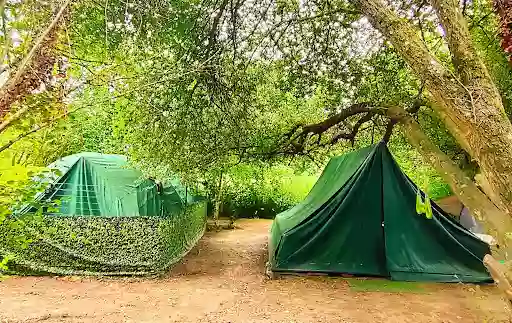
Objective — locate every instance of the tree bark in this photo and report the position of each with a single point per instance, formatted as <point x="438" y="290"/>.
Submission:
<point x="467" y="100"/>
<point x="36" y="66"/>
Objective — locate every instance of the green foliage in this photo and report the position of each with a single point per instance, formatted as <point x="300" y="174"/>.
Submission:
<point x="4" y="262"/>
<point x="484" y="27"/>
<point x="19" y="186"/>
<point x="153" y="80"/>
<point x="387" y="79"/>
<point x="252" y="191"/>
<point x="102" y="245"/>
<point x="418" y="170"/>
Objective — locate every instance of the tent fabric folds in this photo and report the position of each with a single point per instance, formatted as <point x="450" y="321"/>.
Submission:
<point x="93" y="184"/>
<point x="360" y="218"/>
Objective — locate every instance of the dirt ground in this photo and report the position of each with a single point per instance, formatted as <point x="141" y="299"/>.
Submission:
<point x="222" y="280"/>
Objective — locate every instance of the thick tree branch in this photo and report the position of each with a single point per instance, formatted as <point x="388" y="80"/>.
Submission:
<point x="467" y="101"/>
<point x="496" y="222"/>
<point x="404" y="37"/>
<point x="441" y="84"/>
<point x="465" y="59"/>
<point x="389" y="130"/>
<point x="296" y="140"/>
<point x="25" y="63"/>
<point x="34" y="67"/>
<point x="330" y="122"/>
<point x="499" y="275"/>
<point x="355" y="130"/>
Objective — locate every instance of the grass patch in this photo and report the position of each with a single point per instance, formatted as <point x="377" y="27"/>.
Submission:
<point x="383" y="285"/>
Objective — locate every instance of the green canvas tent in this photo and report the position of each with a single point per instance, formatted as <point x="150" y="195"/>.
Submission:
<point x="110" y="221"/>
<point x="93" y="184"/>
<point x="361" y="218"/>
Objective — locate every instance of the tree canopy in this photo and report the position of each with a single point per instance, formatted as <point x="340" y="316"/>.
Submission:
<point x="201" y="87"/>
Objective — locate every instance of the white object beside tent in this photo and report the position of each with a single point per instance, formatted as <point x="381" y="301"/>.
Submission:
<point x="486" y="238"/>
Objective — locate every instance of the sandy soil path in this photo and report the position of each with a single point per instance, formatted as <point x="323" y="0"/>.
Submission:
<point x="222" y="280"/>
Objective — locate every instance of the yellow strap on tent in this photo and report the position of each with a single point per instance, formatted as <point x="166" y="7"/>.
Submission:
<point x="420" y="206"/>
<point x="428" y="207"/>
<point x="423" y="207"/>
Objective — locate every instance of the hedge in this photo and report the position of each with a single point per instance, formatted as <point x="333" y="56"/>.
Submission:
<point x="107" y="246"/>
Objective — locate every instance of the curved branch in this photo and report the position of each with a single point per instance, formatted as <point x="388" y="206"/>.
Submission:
<point x="212" y="35"/>
<point x="330" y="122"/>
<point x="355" y="130"/>
<point x="297" y="138"/>
<point x="389" y="130"/>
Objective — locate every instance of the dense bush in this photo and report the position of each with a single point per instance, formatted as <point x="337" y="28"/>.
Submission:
<point x="252" y="191"/>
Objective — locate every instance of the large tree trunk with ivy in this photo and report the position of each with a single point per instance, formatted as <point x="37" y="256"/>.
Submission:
<point x="466" y="99"/>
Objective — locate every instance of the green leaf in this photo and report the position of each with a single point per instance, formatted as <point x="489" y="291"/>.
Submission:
<point x="191" y="85"/>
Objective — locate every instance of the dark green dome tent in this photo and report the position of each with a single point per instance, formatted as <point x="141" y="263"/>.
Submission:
<point x="111" y="221"/>
<point x="361" y="218"/>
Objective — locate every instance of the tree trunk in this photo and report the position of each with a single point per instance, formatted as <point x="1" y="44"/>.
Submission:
<point x="218" y="202"/>
<point x="495" y="221"/>
<point x="486" y="188"/>
<point x="466" y="100"/>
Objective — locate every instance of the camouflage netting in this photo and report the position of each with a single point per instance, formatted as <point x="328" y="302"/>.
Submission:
<point x="103" y="246"/>
<point x="108" y="223"/>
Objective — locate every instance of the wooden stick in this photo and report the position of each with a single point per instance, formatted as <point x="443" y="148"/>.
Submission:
<point x="497" y="272"/>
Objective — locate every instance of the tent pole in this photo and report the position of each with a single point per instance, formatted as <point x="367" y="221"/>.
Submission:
<point x="383" y="224"/>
